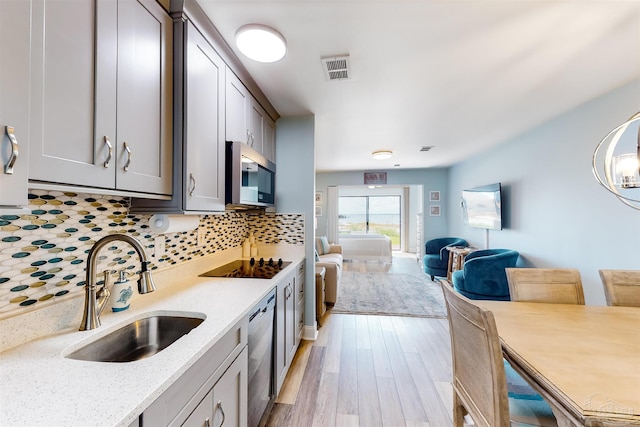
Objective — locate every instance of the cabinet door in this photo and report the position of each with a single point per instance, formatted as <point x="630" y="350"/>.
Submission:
<point x="299" y="305"/>
<point x="68" y="142"/>
<point x="14" y="101"/>
<point x="237" y="108"/>
<point x="269" y="139"/>
<point x="256" y="124"/>
<point x="230" y="395"/>
<point x="280" y="353"/>
<point x="203" y="414"/>
<point x="204" y="135"/>
<point x="290" y="321"/>
<point x="144" y="118"/>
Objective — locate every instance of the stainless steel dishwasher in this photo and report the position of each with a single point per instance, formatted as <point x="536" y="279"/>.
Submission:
<point x="260" y="346"/>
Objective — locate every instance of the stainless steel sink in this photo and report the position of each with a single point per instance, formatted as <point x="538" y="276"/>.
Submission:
<point x="137" y="340"/>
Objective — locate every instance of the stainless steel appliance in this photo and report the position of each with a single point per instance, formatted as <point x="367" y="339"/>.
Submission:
<point x="250" y="269"/>
<point x="260" y="347"/>
<point x="250" y="177"/>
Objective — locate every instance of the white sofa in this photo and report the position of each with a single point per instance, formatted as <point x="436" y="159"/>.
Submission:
<point x="332" y="262"/>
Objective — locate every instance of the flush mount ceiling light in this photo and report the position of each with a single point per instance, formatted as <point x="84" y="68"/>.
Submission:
<point x="261" y="43"/>
<point x="382" y="154"/>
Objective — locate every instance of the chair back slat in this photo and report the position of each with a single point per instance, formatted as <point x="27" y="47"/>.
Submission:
<point x="549" y="285"/>
<point x="478" y="371"/>
<point x="621" y="287"/>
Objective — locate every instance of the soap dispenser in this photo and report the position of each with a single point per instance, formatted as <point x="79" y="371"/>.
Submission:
<point x="121" y="293"/>
<point x="246" y="248"/>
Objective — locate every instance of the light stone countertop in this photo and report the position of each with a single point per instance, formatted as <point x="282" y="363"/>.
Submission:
<point x="39" y="386"/>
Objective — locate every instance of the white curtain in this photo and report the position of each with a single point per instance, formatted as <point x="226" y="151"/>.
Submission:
<point x="332" y="214"/>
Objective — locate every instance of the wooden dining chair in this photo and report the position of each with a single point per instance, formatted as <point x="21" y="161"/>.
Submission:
<point x="550" y="285"/>
<point x="621" y="287"/>
<point x="479" y="380"/>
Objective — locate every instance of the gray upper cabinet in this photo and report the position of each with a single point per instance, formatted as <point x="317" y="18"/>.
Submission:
<point x="246" y="120"/>
<point x="204" y="124"/>
<point x="101" y="95"/>
<point x="237" y="108"/>
<point x="269" y="139"/>
<point x="199" y="147"/>
<point x="144" y="118"/>
<point x="256" y="125"/>
<point x="14" y="102"/>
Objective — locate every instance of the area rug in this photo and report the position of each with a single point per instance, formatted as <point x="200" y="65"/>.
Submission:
<point x="389" y="294"/>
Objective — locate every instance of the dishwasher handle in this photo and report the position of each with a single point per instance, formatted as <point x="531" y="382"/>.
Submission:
<point x="255" y="313"/>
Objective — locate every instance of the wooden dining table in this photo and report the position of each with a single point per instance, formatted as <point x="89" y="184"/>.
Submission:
<point x="584" y="360"/>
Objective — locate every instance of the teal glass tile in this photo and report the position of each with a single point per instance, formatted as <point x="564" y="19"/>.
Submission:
<point x="20" y="255"/>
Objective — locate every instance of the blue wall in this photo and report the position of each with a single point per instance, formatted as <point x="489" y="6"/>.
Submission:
<point x="556" y="214"/>
<point x="295" y="181"/>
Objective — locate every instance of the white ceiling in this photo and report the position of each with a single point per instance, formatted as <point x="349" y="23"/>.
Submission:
<point x="459" y="75"/>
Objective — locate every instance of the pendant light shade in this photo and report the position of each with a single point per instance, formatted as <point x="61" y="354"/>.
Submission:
<point x="616" y="162"/>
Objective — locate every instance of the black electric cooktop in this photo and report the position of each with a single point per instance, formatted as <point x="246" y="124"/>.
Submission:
<point x="249" y="269"/>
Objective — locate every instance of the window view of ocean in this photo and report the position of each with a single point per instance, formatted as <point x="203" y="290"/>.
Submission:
<point x="383" y="214"/>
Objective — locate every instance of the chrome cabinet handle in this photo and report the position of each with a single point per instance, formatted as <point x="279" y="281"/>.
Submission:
<point x="248" y="137"/>
<point x="253" y="139"/>
<point x="129" y="155"/>
<point x="193" y="182"/>
<point x="219" y="406"/>
<point x="15" y="150"/>
<point x="108" y="144"/>
<point x="207" y="422"/>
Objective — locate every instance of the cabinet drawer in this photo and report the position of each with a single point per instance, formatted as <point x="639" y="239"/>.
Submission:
<point x="174" y="405"/>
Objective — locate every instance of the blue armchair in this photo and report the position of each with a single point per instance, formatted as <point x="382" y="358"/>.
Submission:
<point x="483" y="274"/>
<point x="436" y="259"/>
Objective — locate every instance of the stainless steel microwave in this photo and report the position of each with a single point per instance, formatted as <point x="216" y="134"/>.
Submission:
<point x="250" y="177"/>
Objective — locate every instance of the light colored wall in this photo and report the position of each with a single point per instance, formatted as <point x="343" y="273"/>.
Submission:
<point x="431" y="179"/>
<point x="295" y="183"/>
<point x="556" y="214"/>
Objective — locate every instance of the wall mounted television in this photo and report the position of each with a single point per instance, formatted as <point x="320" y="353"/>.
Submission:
<point x="482" y="207"/>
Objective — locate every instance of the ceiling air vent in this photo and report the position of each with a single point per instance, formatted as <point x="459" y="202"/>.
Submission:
<point x="426" y="148"/>
<point x="336" y="67"/>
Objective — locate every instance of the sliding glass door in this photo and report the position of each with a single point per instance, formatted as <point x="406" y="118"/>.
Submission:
<point x="370" y="215"/>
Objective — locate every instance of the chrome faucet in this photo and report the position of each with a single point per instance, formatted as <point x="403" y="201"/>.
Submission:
<point x="95" y="300"/>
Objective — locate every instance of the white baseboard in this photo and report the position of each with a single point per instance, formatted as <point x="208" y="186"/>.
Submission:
<point x="310" y="333"/>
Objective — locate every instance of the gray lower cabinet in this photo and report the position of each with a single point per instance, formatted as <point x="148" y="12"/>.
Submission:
<point x="223" y="405"/>
<point x="299" y="303"/>
<point x="289" y="306"/>
<point x="101" y="102"/>
<point x="213" y="390"/>
<point x="14" y="101"/>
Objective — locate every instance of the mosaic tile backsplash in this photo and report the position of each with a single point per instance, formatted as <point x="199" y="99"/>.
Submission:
<point x="43" y="253"/>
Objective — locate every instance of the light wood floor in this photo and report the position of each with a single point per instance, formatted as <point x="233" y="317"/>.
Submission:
<point x="368" y="370"/>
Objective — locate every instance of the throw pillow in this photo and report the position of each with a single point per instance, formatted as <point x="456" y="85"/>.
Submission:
<point x="322" y="245"/>
<point x="317" y="257"/>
